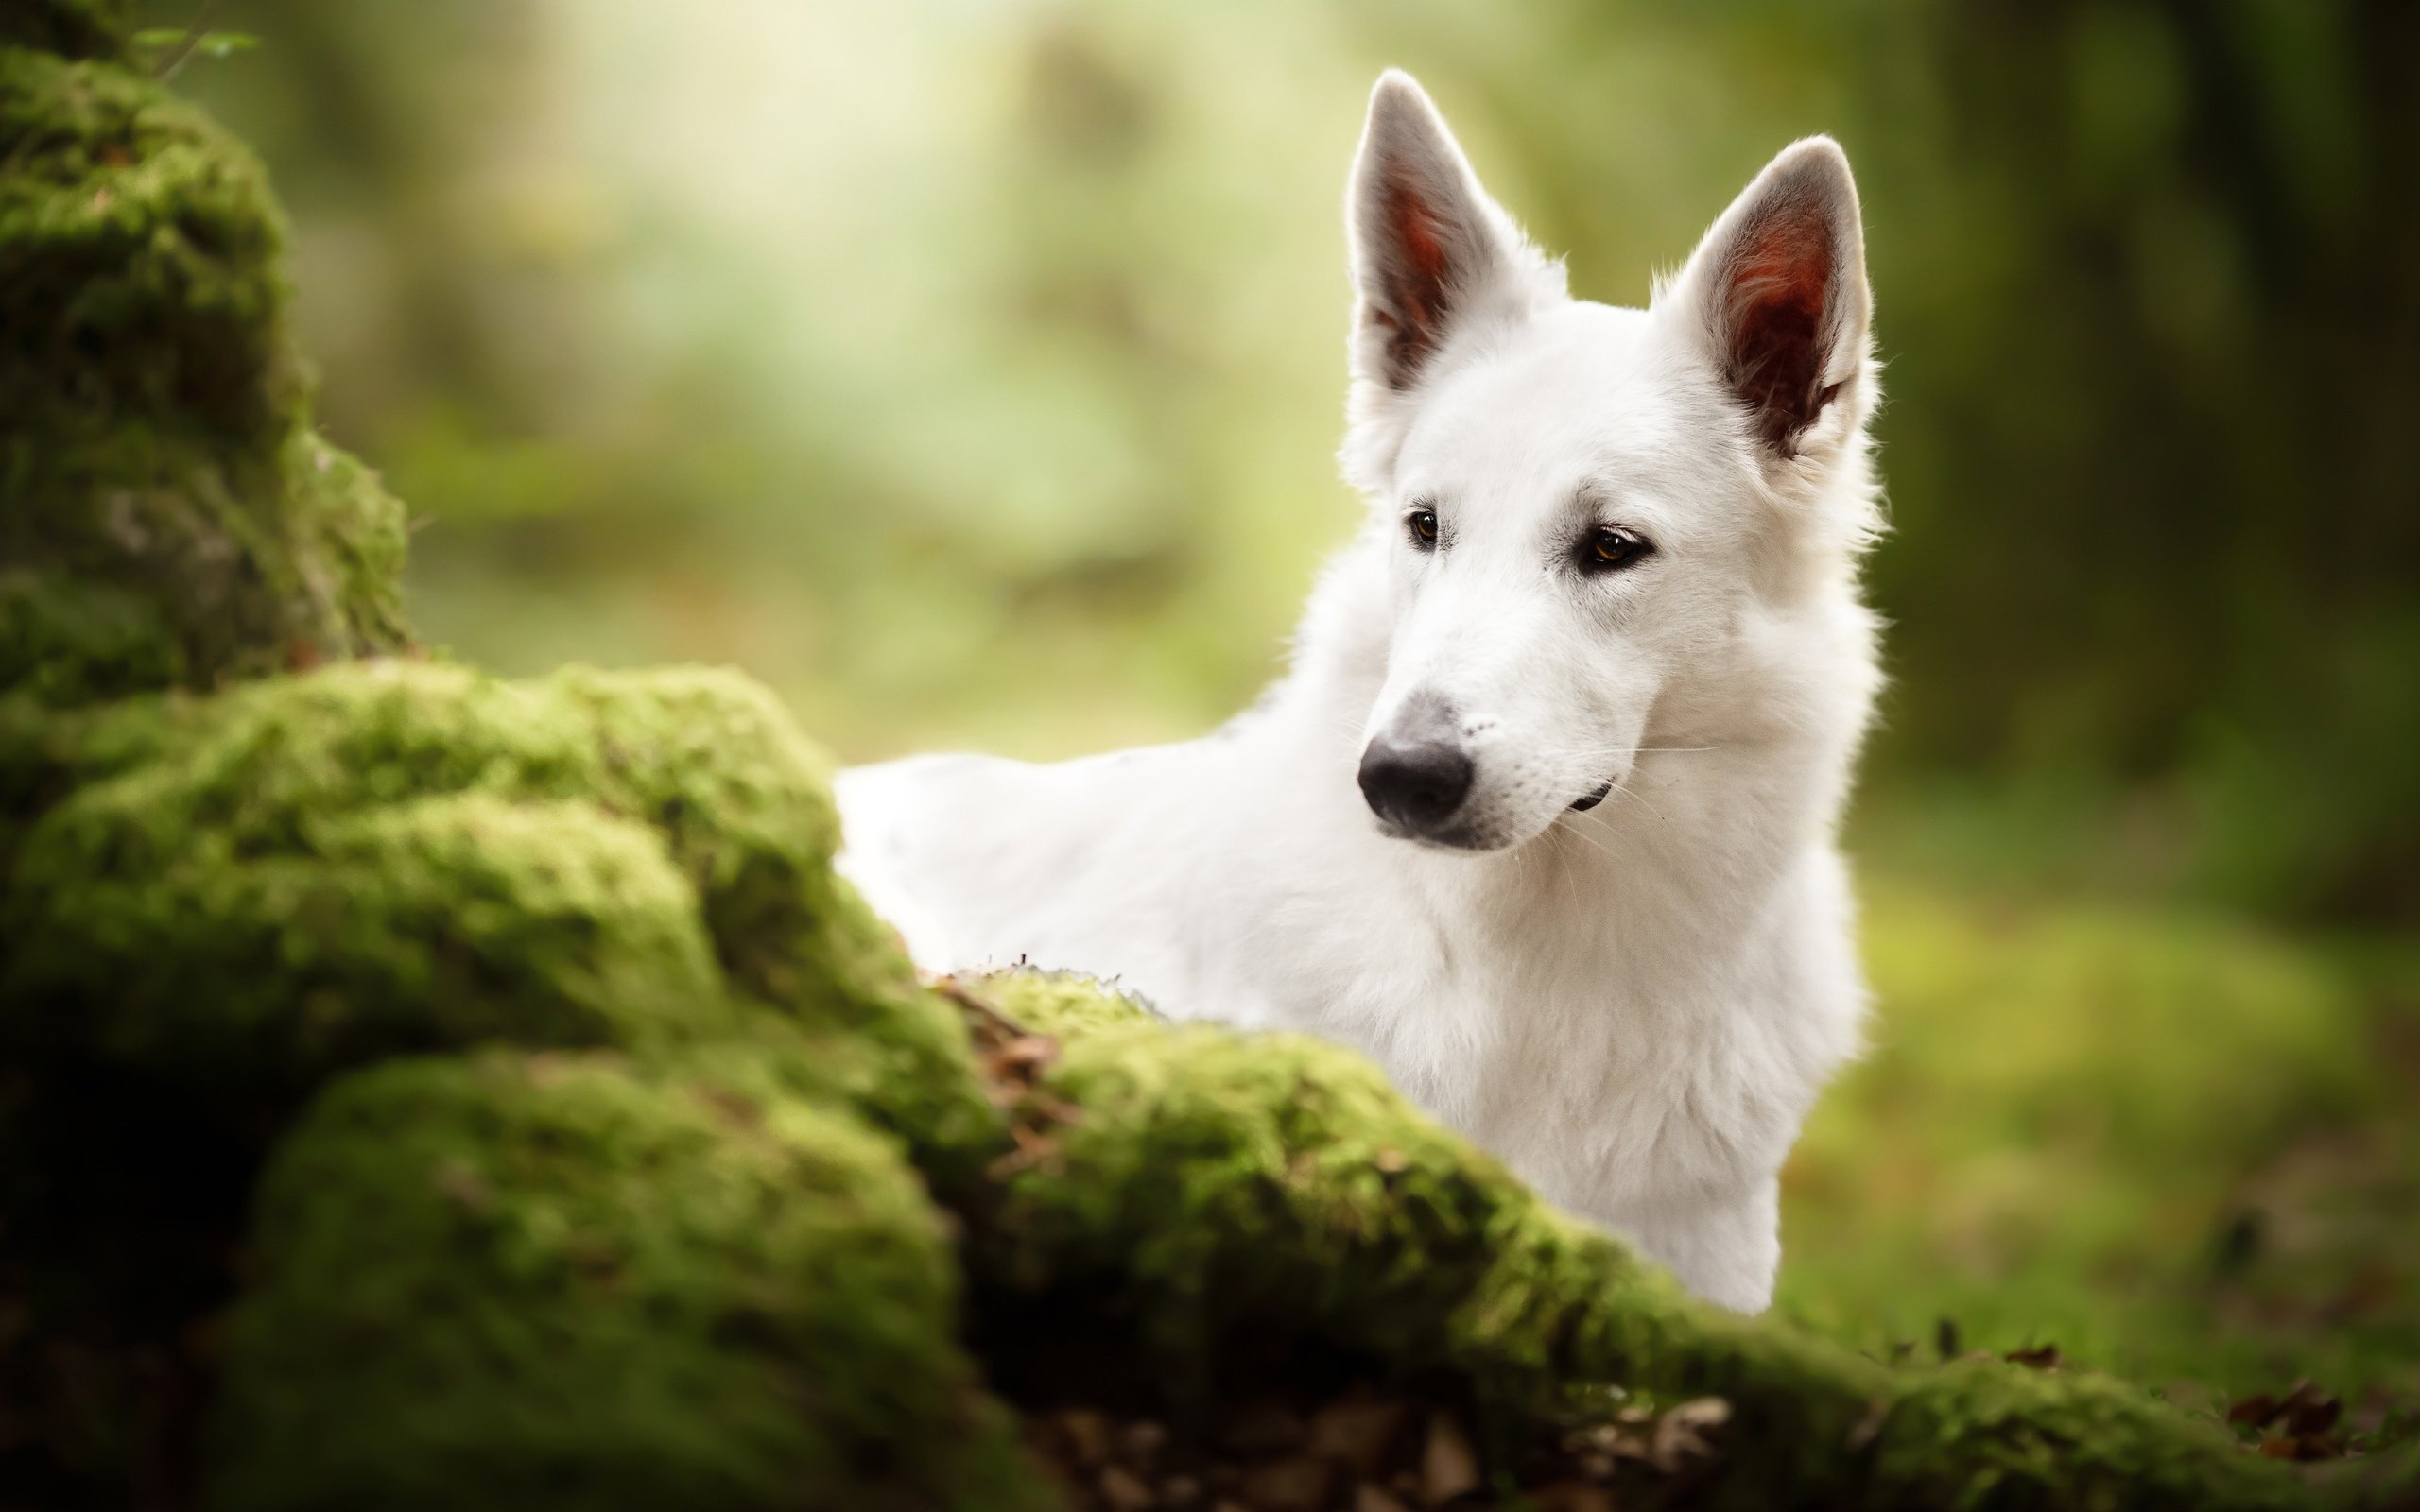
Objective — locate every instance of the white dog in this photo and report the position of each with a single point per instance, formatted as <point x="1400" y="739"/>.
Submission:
<point x="1542" y="816"/>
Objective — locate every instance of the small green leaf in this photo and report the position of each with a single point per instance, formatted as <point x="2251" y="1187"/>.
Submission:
<point x="208" y="45"/>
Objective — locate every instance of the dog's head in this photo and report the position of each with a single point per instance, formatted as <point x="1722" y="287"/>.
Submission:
<point x="1586" y="508"/>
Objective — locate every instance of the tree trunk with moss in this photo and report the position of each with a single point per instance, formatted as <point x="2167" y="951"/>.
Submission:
<point x="419" y="1089"/>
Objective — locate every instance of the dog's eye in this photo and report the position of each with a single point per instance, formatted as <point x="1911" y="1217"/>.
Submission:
<point x="1608" y="547"/>
<point x="1423" y="526"/>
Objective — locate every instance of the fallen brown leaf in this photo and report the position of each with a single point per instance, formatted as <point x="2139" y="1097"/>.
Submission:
<point x="2372" y="1414"/>
<point x="1183" y="1493"/>
<point x="1295" y="1484"/>
<point x="1026" y="1053"/>
<point x="1259" y="1428"/>
<point x="1121" y="1491"/>
<point x="1033" y="1148"/>
<point x="1141" y="1444"/>
<point x="1680" y="1433"/>
<point x="1572" y="1496"/>
<point x="1358" y="1432"/>
<point x="1368" y="1497"/>
<point x="1086" y="1432"/>
<point x="1447" y="1467"/>
<point x="1869" y="1427"/>
<point x="2309" y="1410"/>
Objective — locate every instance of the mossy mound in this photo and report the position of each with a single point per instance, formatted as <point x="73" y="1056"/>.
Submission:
<point x="216" y="908"/>
<point x="421" y="1089"/>
<point x="670" y="1290"/>
<point x="250" y="892"/>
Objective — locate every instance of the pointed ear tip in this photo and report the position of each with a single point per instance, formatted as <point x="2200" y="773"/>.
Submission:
<point x="1818" y="155"/>
<point x="1397" y="93"/>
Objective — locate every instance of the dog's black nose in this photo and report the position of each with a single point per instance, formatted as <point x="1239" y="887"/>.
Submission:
<point x="1417" y="783"/>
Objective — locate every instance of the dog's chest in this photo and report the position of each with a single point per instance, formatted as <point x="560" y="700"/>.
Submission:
<point x="1597" y="1076"/>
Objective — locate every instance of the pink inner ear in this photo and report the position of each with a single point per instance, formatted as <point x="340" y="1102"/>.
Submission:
<point x="1414" y="267"/>
<point x="1780" y="279"/>
<point x="1416" y="236"/>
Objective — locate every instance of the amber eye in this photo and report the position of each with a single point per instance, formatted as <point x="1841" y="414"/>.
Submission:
<point x="1423" y="526"/>
<point x="1608" y="547"/>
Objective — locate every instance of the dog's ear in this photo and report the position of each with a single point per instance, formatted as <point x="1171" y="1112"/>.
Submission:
<point x="1778" y="294"/>
<point x="1430" y="250"/>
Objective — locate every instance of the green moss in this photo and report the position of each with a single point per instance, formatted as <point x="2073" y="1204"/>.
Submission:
<point x="44" y="752"/>
<point x="1212" y="1185"/>
<point x="2061" y="1194"/>
<point x="516" y="1281"/>
<point x="1983" y="1433"/>
<point x="444" y="921"/>
<point x="68" y="641"/>
<point x="1230" y="1177"/>
<point x="153" y="409"/>
<point x="309" y="872"/>
<point x="714" y="763"/>
<point x="211" y="907"/>
<point x="2383" y="1481"/>
<point x="142" y="248"/>
<point x="1055" y="1003"/>
<point x="1208" y="1186"/>
<point x="349" y="539"/>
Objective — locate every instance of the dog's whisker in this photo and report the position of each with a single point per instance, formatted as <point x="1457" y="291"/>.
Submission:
<point x="1625" y="790"/>
<point x="1563" y="857"/>
<point x="1580" y="834"/>
<point x="1600" y="753"/>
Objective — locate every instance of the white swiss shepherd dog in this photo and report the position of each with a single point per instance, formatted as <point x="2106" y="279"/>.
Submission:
<point x="1542" y="816"/>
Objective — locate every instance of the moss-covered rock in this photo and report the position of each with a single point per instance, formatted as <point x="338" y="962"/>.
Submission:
<point x="214" y="906"/>
<point x="154" y="437"/>
<point x="719" y="767"/>
<point x="311" y="872"/>
<point x="445" y="921"/>
<point x="553" y="1281"/>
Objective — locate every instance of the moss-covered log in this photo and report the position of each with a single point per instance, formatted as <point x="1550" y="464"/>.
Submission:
<point x="1223" y="1182"/>
<point x="418" y="1087"/>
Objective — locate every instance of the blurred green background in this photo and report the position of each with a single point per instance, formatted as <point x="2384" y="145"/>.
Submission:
<point x="970" y="371"/>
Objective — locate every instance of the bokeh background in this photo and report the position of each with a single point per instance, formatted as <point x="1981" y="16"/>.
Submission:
<point x="970" y="371"/>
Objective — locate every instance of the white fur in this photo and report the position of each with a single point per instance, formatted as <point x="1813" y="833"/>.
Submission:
<point x="1634" y="1005"/>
